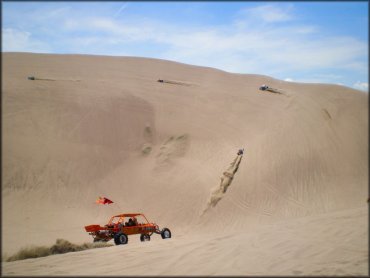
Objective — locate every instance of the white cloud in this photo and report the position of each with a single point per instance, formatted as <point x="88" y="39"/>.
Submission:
<point x="22" y="41"/>
<point x="329" y="76"/>
<point x="363" y="86"/>
<point x="111" y="28"/>
<point x="288" y="79"/>
<point x="261" y="49"/>
<point x="270" y="13"/>
<point x="257" y="53"/>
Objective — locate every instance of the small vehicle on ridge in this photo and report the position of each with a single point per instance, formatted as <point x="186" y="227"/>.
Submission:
<point x="121" y="226"/>
<point x="263" y="87"/>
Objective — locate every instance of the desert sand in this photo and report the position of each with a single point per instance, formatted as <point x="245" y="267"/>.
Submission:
<point x="294" y="204"/>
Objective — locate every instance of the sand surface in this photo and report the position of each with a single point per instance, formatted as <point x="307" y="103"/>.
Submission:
<point x="89" y="126"/>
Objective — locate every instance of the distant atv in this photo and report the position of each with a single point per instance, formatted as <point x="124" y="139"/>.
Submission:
<point x="119" y="230"/>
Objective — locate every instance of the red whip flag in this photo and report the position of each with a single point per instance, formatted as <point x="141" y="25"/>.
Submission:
<point x="103" y="201"/>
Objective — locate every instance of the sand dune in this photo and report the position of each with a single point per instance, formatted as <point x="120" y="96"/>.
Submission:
<point x="296" y="205"/>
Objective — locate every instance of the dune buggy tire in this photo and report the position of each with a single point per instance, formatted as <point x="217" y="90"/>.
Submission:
<point x="144" y="237"/>
<point x="120" y="238"/>
<point x="166" y="233"/>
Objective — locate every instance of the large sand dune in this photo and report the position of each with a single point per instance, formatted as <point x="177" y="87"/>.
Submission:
<point x="92" y="126"/>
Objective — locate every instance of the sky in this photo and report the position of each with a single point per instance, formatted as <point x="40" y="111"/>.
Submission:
<point x="315" y="42"/>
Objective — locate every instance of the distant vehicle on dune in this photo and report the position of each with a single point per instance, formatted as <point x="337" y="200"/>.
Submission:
<point x="264" y="87"/>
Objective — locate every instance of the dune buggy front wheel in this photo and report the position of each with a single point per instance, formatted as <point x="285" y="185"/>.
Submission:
<point x="166" y="233"/>
<point x="120" y="238"/>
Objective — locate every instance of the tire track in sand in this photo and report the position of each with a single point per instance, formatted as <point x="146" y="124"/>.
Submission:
<point x="226" y="180"/>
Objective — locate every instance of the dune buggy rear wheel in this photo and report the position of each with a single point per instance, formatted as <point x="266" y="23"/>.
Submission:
<point x="166" y="233"/>
<point x="120" y="238"/>
<point x="145" y="237"/>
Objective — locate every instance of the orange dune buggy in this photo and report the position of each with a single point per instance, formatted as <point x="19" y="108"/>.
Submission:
<point x="122" y="225"/>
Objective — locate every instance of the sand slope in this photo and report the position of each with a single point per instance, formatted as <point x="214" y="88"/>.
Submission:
<point x="285" y="248"/>
<point x="105" y="126"/>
